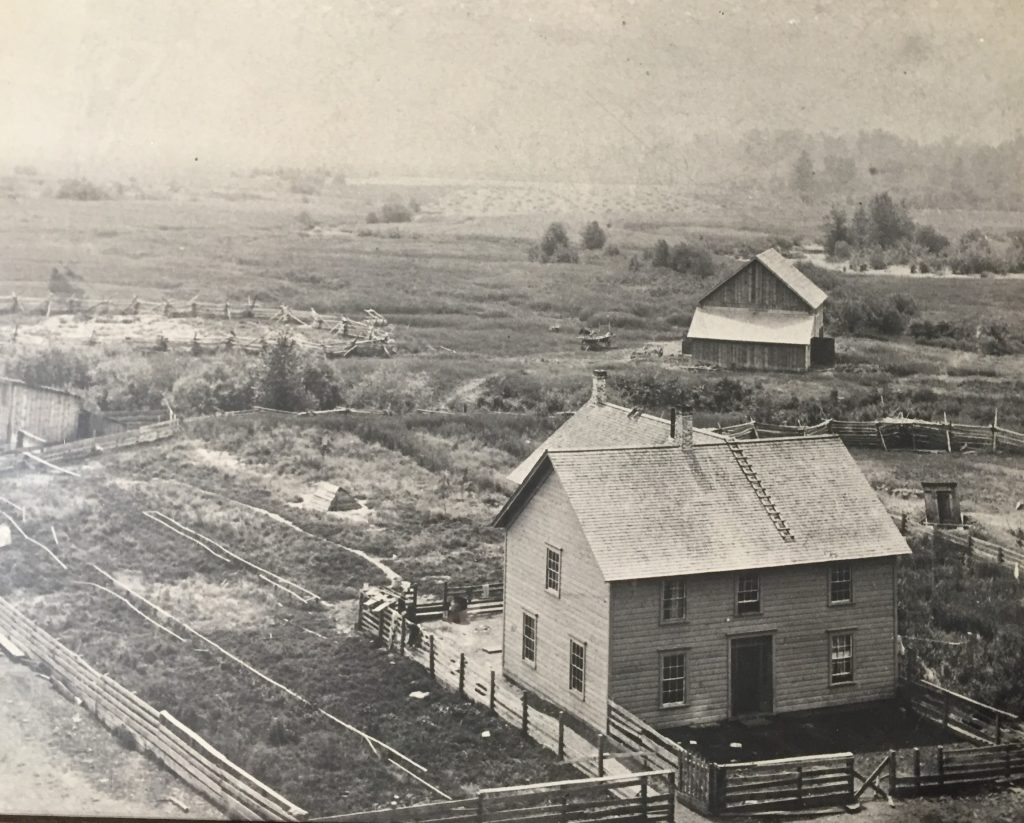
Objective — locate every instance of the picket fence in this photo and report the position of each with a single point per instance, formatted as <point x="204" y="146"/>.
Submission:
<point x="173" y="744"/>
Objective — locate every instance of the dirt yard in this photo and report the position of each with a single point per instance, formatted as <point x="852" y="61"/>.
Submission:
<point x="56" y="759"/>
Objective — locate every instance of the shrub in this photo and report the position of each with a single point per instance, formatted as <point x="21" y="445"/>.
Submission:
<point x="593" y="236"/>
<point x="555" y="247"/>
<point x="65" y="283"/>
<point x="395" y="213"/>
<point x="81" y="189"/>
<point x="306" y="221"/>
<point x="372" y="217"/>
<point x="218" y="386"/>
<point x="661" y="256"/>
<point x="611" y="250"/>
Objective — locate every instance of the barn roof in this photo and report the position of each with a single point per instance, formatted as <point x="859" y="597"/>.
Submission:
<point x="14" y="381"/>
<point x="796" y="280"/>
<point x="751" y="325"/>
<point x="598" y="425"/>
<point x="663" y="511"/>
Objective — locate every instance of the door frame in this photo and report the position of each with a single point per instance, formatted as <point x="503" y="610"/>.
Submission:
<point x="754" y="635"/>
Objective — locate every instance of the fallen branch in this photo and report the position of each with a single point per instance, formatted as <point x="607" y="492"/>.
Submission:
<point x="49" y="465"/>
<point x="129" y="604"/>
<point x="20" y="531"/>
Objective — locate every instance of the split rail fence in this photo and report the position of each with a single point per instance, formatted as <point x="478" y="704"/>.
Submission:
<point x="177" y="747"/>
<point x="892" y="433"/>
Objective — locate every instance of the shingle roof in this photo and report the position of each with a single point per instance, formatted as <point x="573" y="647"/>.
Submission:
<point x="663" y="511"/>
<point x="792" y="277"/>
<point x="789" y="274"/>
<point x="751" y="325"/>
<point x="605" y="425"/>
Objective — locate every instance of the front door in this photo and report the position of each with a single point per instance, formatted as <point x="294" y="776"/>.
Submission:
<point x="751" y="675"/>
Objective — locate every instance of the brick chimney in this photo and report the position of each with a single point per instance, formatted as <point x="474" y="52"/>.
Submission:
<point x="681" y="428"/>
<point x="599" y="393"/>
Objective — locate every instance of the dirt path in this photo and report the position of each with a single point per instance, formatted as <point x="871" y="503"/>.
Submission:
<point x="56" y="759"/>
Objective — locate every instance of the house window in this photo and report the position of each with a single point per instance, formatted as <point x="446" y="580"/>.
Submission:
<point x="840" y="585"/>
<point x="673" y="599"/>
<point x="748" y="594"/>
<point x="553" y="571"/>
<point x="529" y="637"/>
<point x="840" y="659"/>
<point x="577" y="666"/>
<point x="673" y="679"/>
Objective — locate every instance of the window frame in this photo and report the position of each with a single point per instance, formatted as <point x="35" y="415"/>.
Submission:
<point x="740" y="612"/>
<point x="848" y="677"/>
<point x="553" y="551"/>
<point x="581" y="692"/>
<point x="665" y="584"/>
<point x="535" y="619"/>
<point x="848" y="601"/>
<point x="662" y="657"/>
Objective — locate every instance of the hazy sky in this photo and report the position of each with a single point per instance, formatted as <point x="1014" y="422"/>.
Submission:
<point x="506" y="86"/>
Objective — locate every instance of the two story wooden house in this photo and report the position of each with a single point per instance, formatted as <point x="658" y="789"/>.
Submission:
<point x="767" y="316"/>
<point x="696" y="582"/>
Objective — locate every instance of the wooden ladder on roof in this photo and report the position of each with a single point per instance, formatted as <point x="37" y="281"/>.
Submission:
<point x="760" y="492"/>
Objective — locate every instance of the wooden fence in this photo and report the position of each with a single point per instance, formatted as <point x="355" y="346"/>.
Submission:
<point x="479" y="599"/>
<point x="789" y="783"/>
<point x="629" y="799"/>
<point x="77" y="449"/>
<point x="958" y="768"/>
<point x="892" y="433"/>
<point x="692" y="772"/>
<point x="177" y="747"/>
<point x="967" y="717"/>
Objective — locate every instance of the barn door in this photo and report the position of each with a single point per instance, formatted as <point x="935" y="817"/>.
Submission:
<point x="751" y="676"/>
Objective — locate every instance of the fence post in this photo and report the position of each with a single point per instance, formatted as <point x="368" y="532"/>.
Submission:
<point x="380" y="627"/>
<point x="564" y="817"/>
<point x="849" y="779"/>
<point x="945" y="710"/>
<point x="462" y="674"/>
<point x="432" y="677"/>
<point x="917" y="770"/>
<point x="401" y="642"/>
<point x="942" y="766"/>
<point x="600" y="755"/>
<point x="892" y="771"/>
<point x="903" y="523"/>
<point x="800" y="785"/>
<point x="999" y="729"/>
<point x="643" y="797"/>
<point x="561" y="735"/>
<point x="490" y="698"/>
<point x="480" y="808"/>
<point x="526" y="714"/>
<point x="444" y="599"/>
<point x="359" y="614"/>
<point x="1006" y="761"/>
<point x="716" y="793"/>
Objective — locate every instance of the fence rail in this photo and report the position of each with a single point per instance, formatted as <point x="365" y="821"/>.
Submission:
<point x="964" y="715"/>
<point x="892" y="433"/>
<point x="636" y="798"/>
<point x="174" y="745"/>
<point x="790" y="783"/>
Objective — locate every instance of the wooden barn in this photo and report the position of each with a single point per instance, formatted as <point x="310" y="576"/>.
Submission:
<point x="30" y="415"/>
<point x="767" y="316"/>
<point x="598" y="423"/>
<point x="694" y="583"/>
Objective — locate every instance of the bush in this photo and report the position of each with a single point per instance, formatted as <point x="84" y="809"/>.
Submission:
<point x="593" y="236"/>
<point x="65" y="283"/>
<point x="81" y="189"/>
<point x="555" y="247"/>
<point x="660" y="256"/>
<point x="395" y="213"/>
<point x="218" y="386"/>
<point x="611" y="250"/>
<point x="306" y="221"/>
<point x="372" y="217"/>
<point x="692" y="260"/>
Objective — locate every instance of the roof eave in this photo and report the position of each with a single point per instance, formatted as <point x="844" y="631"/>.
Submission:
<point x="503" y="519"/>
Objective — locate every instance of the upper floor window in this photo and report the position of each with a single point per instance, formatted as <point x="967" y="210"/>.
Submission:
<point x="553" y="571"/>
<point x="529" y="637"/>
<point x="577" y="666"/>
<point x="673" y="599"/>
<point x="840" y="584"/>
<point x="748" y="594"/>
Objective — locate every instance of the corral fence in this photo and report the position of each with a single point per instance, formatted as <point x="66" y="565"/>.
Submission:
<point x="173" y="744"/>
<point x="457" y="600"/>
<point x="78" y="449"/>
<point x="628" y="799"/>
<point x="789" y="783"/>
<point x="692" y="772"/>
<point x="964" y="715"/>
<point x="892" y="433"/>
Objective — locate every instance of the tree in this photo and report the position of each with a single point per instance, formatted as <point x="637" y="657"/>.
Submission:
<point x="593" y="236"/>
<point x="930" y="239"/>
<point x="1015" y="253"/>
<point x="974" y="254"/>
<point x="836" y="230"/>
<point x="555" y="236"/>
<point x="890" y="221"/>
<point x="279" y="382"/>
<point x="661" y="260"/>
<point x="688" y="259"/>
<point x="65" y="283"/>
<point x="860" y="230"/>
<point x="803" y="175"/>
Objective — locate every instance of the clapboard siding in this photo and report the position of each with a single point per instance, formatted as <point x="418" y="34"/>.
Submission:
<point x="755" y="287"/>
<point x="47" y="413"/>
<point x="762" y="356"/>
<point x="581" y="610"/>
<point x="794" y="610"/>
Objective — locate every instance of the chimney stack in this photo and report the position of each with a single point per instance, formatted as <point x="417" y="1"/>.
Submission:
<point x="681" y="429"/>
<point x="599" y="394"/>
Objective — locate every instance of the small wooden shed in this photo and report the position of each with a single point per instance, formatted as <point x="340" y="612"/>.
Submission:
<point x="39" y="414"/>
<point x="942" y="505"/>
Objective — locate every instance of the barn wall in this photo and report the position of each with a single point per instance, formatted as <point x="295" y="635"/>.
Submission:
<point x="755" y="287"/>
<point x="580" y="611"/>
<point x="759" y="356"/>
<point x="46" y="413"/>
<point x="794" y="609"/>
